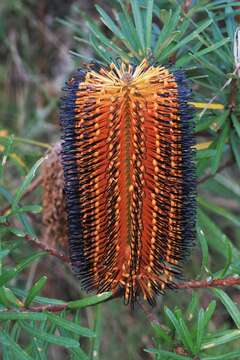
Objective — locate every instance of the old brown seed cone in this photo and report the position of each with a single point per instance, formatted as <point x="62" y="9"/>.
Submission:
<point x="54" y="209"/>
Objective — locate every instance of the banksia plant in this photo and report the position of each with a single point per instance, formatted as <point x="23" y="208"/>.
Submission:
<point x="151" y="113"/>
<point x="129" y="177"/>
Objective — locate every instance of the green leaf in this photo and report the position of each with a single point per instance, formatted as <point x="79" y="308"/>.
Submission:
<point x="35" y="290"/>
<point x="230" y="22"/>
<point x="181" y="329"/>
<point x="39" y="351"/>
<point x="216" y="238"/>
<point x="7" y="275"/>
<point x="204" y="247"/>
<point x="222" y="4"/>
<point x="164" y="48"/>
<point x="130" y="33"/>
<point x="231" y="335"/>
<point x="38" y="299"/>
<point x="219" y="148"/>
<point x="149" y="23"/>
<point x="70" y="326"/>
<point x="236" y="123"/>
<point x="226" y="356"/>
<point x="220" y="211"/>
<point x="28" y="260"/>
<point x="27" y="181"/>
<point x="192" y="307"/>
<point x="204" y="124"/>
<point x="228" y="260"/>
<point x="209" y="312"/>
<point x="95" y="345"/>
<point x="138" y="21"/>
<point x="35" y="209"/>
<point x="7" y="341"/>
<point x="80" y="354"/>
<point x="229" y="305"/>
<point x="168" y="354"/>
<point x="235" y="142"/>
<point x="16" y="231"/>
<point x="99" y="49"/>
<point x="170" y="23"/>
<point x="200" y="331"/>
<point x="3" y="297"/>
<point x="11" y="298"/>
<point x="10" y="274"/>
<point x="191" y="36"/>
<point x="109" y="23"/>
<point x="53" y="339"/>
<point x="22" y="315"/>
<point x="213" y="47"/>
<point x="205" y="153"/>
<point x="160" y="333"/>
<point x="22" y="217"/>
<point x="104" y="40"/>
<point x="92" y="300"/>
<point x="6" y="152"/>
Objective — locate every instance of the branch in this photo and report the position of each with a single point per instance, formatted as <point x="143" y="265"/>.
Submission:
<point x="208" y="283"/>
<point x="191" y="284"/>
<point x="52" y="251"/>
<point x="42" y="308"/>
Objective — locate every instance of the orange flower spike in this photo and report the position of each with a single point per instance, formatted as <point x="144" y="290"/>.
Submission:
<point x="129" y="170"/>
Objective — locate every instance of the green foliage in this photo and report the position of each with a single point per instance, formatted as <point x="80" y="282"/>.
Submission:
<point x="205" y="323"/>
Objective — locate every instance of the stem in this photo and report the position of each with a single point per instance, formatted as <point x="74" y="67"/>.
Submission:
<point x="190" y="284"/>
<point x="52" y="251"/>
<point x="208" y="283"/>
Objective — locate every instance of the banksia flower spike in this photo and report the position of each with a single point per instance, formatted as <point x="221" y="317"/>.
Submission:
<point x="129" y="177"/>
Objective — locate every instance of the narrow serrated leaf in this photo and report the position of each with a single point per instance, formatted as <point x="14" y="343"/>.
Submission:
<point x="231" y="335"/>
<point x="219" y="148"/>
<point x="181" y="329"/>
<point x="35" y="290"/>
<point x="53" y="339"/>
<point x="229" y="305"/>
<point x="236" y="123"/>
<point x="92" y="300"/>
<point x="71" y="326"/>
<point x="27" y="181"/>
<point x="168" y="354"/>
<point x="227" y="356"/>
<point x="138" y="21"/>
<point x="109" y="23"/>
<point x="204" y="247"/>
<point x="209" y="312"/>
<point x="7" y="341"/>
<point x="200" y="331"/>
<point x="149" y="23"/>
<point x="22" y="315"/>
<point x="10" y="274"/>
<point x="235" y="142"/>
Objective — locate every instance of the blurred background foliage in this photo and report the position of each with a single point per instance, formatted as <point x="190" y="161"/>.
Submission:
<point x="41" y="43"/>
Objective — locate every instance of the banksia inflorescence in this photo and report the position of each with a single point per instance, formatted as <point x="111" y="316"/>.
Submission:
<point x="55" y="232"/>
<point x="129" y="177"/>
